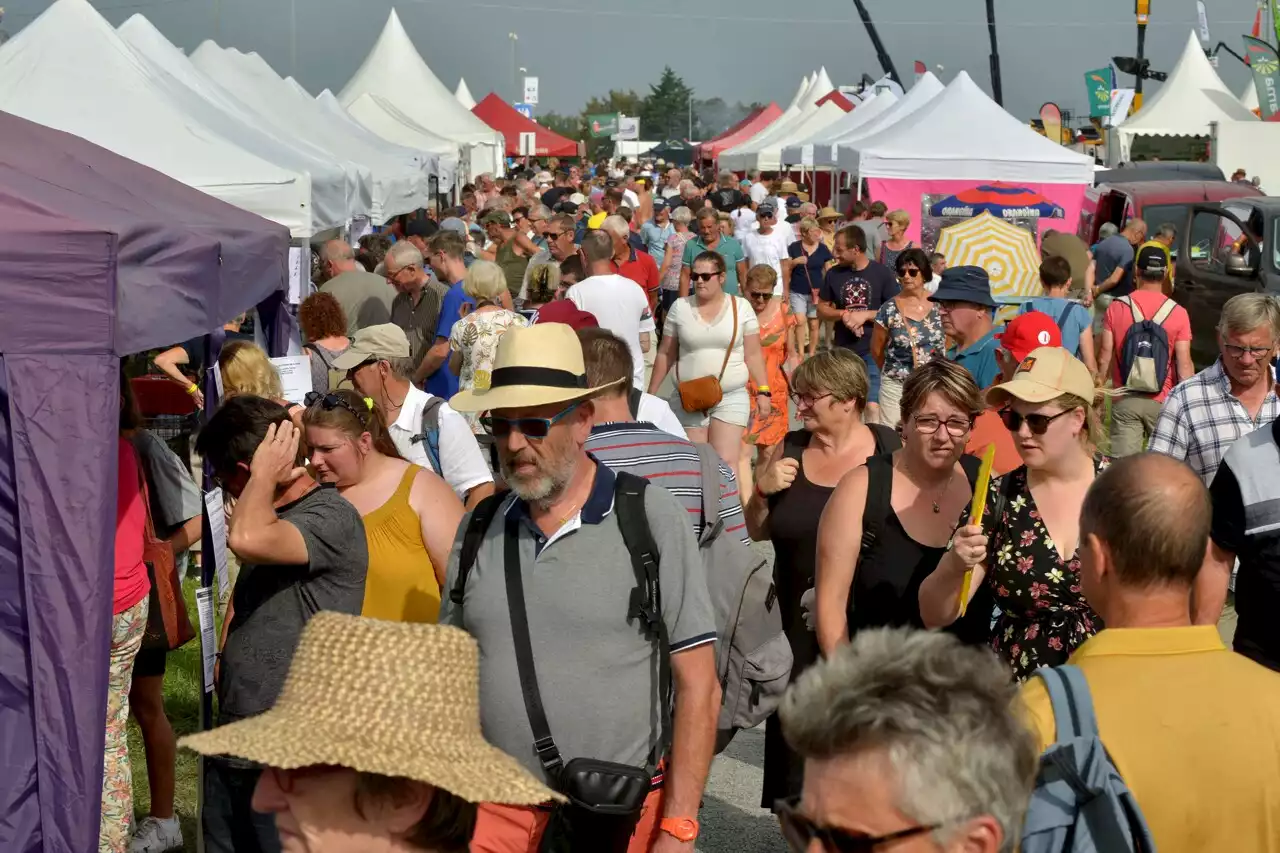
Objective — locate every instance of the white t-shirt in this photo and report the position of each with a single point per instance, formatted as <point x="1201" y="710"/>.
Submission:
<point x="702" y="345"/>
<point x="619" y="305"/>
<point x="461" y="462"/>
<point x="657" y="411"/>
<point x="759" y="192"/>
<point x="768" y="249"/>
<point x="744" y="222"/>
<point x="631" y="200"/>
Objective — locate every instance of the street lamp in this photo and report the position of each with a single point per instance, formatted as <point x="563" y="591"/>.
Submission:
<point x="514" y="74"/>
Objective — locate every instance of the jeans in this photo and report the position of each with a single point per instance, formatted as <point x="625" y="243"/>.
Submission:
<point x="803" y="305"/>
<point x="873" y="376"/>
<point x="1133" y="419"/>
<point x="230" y="823"/>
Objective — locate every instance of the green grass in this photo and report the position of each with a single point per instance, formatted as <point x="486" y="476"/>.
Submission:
<point x="183" y="683"/>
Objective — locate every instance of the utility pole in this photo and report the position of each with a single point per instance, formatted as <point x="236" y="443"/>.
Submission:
<point x="881" y="54"/>
<point x="515" y="74"/>
<point x="997" y="90"/>
<point x="1143" y="10"/>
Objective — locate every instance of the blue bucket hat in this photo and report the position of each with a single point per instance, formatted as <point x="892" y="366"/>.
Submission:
<point x="965" y="284"/>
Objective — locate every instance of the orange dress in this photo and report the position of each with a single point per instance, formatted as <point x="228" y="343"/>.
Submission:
<point x="766" y="432"/>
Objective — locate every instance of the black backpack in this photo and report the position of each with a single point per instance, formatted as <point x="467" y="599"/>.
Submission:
<point x="1144" y="357"/>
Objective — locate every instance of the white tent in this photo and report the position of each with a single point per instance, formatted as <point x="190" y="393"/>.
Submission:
<point x="463" y="94"/>
<point x="744" y="155"/>
<point x="395" y="72"/>
<point x="216" y="108"/>
<point x="69" y="70"/>
<point x="1249" y="97"/>
<point x="801" y="152"/>
<point x="770" y="156"/>
<point x="938" y="142"/>
<point x="842" y="151"/>
<point x="1192" y="97"/>
<point x="396" y="185"/>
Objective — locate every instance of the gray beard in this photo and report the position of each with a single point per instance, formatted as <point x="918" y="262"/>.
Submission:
<point x="545" y="488"/>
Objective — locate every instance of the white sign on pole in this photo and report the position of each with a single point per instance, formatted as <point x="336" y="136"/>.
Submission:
<point x="360" y="226"/>
<point x="295" y="377"/>
<point x="528" y="144"/>
<point x="1203" y="16"/>
<point x="213" y="505"/>
<point x="628" y="128"/>
<point x="531" y="91"/>
<point x="1121" y="101"/>
<point x="299" y="274"/>
<point x="208" y="634"/>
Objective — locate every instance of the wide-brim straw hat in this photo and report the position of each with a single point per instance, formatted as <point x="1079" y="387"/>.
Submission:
<point x="535" y="366"/>
<point x="388" y="698"/>
<point x="828" y="213"/>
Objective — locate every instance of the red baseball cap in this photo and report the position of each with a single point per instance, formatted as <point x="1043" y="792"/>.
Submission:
<point x="564" y="311"/>
<point x="1028" y="332"/>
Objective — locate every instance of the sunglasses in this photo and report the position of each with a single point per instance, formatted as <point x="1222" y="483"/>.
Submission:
<point x="759" y="294"/>
<point x="1038" y="424"/>
<point x="532" y="428"/>
<point x="800" y="832"/>
<point x="329" y="402"/>
<point x="703" y="276"/>
<point x="910" y="272"/>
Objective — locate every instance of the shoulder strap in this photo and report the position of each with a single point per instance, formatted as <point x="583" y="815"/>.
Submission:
<point x="320" y="351"/>
<point x="430" y="434"/>
<point x="886" y="438"/>
<point x="1134" y="310"/>
<point x="971" y="465"/>
<point x="1165" y="310"/>
<point x="997" y="509"/>
<point x="733" y="303"/>
<point x="481" y="517"/>
<point x="876" y="509"/>
<point x="543" y="744"/>
<point x="1071" y="701"/>
<point x="709" y="468"/>
<point x="1066" y="312"/>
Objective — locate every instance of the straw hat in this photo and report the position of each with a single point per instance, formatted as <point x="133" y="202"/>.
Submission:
<point x="535" y="366"/>
<point x="389" y="698"/>
<point x="828" y="213"/>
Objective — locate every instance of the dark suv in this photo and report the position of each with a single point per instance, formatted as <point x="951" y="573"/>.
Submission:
<point x="1235" y="248"/>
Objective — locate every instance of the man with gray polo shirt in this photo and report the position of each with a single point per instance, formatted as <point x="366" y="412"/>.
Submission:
<point x="594" y="663"/>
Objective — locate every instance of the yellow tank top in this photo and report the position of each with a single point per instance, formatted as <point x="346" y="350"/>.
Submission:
<point x="401" y="585"/>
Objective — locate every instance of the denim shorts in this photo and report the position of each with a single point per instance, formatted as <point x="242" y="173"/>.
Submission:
<point x="802" y="305"/>
<point x="873" y="376"/>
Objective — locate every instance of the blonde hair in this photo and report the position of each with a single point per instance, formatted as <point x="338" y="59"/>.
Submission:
<point x="247" y="370"/>
<point x="807" y="224"/>
<point x="763" y="274"/>
<point x="1092" y="436"/>
<point x="898" y="217"/>
<point x="484" y="282"/>
<point x="838" y="372"/>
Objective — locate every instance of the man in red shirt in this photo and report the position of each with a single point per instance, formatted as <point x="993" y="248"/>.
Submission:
<point x="1133" y="416"/>
<point x="640" y="267"/>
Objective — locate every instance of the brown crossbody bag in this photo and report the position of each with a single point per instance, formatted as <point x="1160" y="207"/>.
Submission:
<point x="704" y="393"/>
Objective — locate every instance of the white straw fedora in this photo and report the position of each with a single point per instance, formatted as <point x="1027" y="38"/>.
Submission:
<point x="390" y="698"/>
<point x="535" y="366"/>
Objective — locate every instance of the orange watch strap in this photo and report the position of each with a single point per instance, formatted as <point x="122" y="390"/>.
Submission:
<point x="680" y="828"/>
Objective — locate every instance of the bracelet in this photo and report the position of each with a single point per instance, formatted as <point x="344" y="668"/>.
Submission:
<point x="762" y="389"/>
<point x="760" y="494"/>
<point x="192" y="388"/>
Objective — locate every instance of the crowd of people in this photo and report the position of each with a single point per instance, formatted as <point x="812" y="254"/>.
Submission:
<point x="545" y="427"/>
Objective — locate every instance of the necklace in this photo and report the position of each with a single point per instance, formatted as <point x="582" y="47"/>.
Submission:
<point x="936" y="500"/>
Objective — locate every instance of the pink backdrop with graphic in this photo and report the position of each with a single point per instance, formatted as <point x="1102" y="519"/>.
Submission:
<point x="908" y="195"/>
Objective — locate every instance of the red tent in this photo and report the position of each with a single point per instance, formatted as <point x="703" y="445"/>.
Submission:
<point x="837" y="97"/>
<point x="505" y="119"/>
<point x="741" y="132"/>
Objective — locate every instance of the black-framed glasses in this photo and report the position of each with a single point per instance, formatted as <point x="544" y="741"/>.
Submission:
<point x="703" y="276"/>
<point x="800" y="832"/>
<point x="1238" y="352"/>
<point x="531" y="428"/>
<point x="762" y="295"/>
<point x="329" y="402"/>
<point x="1038" y="424"/>
<point x="929" y="424"/>
<point x="807" y="400"/>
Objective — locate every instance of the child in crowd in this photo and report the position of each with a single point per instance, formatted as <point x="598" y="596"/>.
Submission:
<point x="1072" y="317"/>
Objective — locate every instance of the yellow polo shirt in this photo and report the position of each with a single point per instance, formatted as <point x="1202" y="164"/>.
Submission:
<point x="1193" y="728"/>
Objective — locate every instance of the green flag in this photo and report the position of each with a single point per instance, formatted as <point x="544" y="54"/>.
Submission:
<point x="603" y="124"/>
<point x="1266" y="74"/>
<point x="1098" y="82"/>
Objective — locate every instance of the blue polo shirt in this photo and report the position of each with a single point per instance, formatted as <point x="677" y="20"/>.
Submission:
<point x="979" y="358"/>
<point x="443" y="383"/>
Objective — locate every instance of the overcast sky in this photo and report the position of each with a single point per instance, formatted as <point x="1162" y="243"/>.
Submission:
<point x="740" y="50"/>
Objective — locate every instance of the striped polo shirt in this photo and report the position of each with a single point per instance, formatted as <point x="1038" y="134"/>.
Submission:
<point x="646" y="451"/>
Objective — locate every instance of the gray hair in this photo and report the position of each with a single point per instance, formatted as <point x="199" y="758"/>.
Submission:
<point x="484" y="282"/>
<point x="753" y="175"/>
<point x="942" y="714"/>
<point x="597" y="246"/>
<point x="615" y="225"/>
<point x="337" y="250"/>
<point x="1108" y="229"/>
<point x="1245" y="312"/>
<point x="523" y="185"/>
<point x="402" y="368"/>
<point x="404" y="254"/>
<point x="498" y="202"/>
<point x="540" y="211"/>
<point x="1167" y="231"/>
<point x="688" y="189"/>
<point x="682" y="214"/>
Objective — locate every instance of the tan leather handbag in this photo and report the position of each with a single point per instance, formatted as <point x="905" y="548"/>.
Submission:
<point x="704" y="393"/>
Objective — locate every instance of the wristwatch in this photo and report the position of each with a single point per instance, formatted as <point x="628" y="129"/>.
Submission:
<point x="680" y="828"/>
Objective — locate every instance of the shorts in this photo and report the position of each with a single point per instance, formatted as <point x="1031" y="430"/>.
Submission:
<point x="802" y="305"/>
<point x="873" y="377"/>
<point x="149" y="663"/>
<point x="734" y="408"/>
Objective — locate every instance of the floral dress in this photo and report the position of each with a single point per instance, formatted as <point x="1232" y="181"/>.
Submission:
<point x="676" y="244"/>
<point x="911" y="342"/>
<point x="768" y="431"/>
<point x="1041" y="616"/>
<point x="476" y="336"/>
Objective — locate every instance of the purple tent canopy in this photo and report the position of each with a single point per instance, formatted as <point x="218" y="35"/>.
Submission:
<point x="99" y="257"/>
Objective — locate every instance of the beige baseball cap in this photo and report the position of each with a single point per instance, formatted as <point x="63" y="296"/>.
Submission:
<point x="1044" y="375"/>
<point x="383" y="341"/>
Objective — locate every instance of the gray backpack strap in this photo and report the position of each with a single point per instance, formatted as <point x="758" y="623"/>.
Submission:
<point x="709" y="467"/>
<point x="1071" y="700"/>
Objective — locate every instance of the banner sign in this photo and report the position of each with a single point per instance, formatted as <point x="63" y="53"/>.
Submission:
<point x="525" y="110"/>
<point x="1121" y="103"/>
<point x="531" y="91"/>
<point x="920" y="70"/>
<point x="1099" y="84"/>
<point x="603" y="124"/>
<point x="628" y="128"/>
<point x="1203" y="17"/>
<point x="1266" y="75"/>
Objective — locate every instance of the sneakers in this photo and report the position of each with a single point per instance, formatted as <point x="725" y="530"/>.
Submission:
<point x="156" y="836"/>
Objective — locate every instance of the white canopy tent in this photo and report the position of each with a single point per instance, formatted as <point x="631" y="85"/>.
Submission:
<point x="771" y="158"/>
<point x="69" y="70"/>
<point x="1192" y="97"/>
<point x="842" y="152"/>
<point x="800" y="153"/>
<point x="396" y="73"/>
<point x="744" y="155"/>
<point x="396" y="184"/>
<point x="463" y="94"/>
<point x="937" y="142"/>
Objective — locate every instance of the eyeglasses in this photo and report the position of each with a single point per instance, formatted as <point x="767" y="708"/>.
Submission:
<point x="800" y="832"/>
<point x="754" y="295"/>
<point x="929" y="424"/>
<point x="910" y="272"/>
<point x="329" y="402"/>
<point x="1239" y="352"/>
<point x="533" y="428"/>
<point x="1038" y="424"/>
<point x="807" y="401"/>
<point x="703" y="276"/>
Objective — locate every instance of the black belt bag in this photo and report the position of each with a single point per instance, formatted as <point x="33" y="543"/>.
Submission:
<point x="605" y="799"/>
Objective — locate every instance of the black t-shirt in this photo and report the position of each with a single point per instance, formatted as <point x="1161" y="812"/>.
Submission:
<point x="858" y="290"/>
<point x="194" y="349"/>
<point x="552" y="196"/>
<point x="728" y="200"/>
<point x="807" y="277"/>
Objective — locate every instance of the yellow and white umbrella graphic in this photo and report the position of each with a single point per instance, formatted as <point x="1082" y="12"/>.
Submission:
<point x="1005" y="251"/>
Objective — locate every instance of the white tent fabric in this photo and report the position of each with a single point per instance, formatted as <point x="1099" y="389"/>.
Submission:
<point x="1249" y="97"/>
<point x="745" y="155"/>
<point x="69" y="70"/>
<point x="937" y="142"/>
<point x="395" y="71"/>
<point x="801" y="152"/>
<point x="217" y="108"/>
<point x="395" y="185"/>
<point x="770" y="158"/>
<point x="842" y="151"/>
<point x="386" y="120"/>
<point x="463" y="94"/>
<point x="1192" y="97"/>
